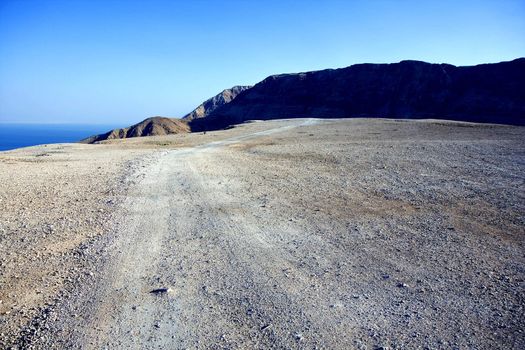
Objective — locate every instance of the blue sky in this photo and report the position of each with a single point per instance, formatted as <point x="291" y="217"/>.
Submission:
<point x="119" y="62"/>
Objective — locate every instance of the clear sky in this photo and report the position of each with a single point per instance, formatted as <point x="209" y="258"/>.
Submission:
<point x="122" y="61"/>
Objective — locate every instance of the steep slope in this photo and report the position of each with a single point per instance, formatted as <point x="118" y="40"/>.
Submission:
<point x="148" y="127"/>
<point x="210" y="105"/>
<point x="409" y="89"/>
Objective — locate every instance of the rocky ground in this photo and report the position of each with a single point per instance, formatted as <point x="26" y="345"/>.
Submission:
<point x="282" y="234"/>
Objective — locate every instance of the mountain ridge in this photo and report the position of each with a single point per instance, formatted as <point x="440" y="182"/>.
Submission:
<point x="490" y="92"/>
<point x="409" y="89"/>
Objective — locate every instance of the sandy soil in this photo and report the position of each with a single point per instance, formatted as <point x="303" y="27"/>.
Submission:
<point x="282" y="234"/>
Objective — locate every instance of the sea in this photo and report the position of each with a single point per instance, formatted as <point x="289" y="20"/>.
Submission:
<point x="22" y="135"/>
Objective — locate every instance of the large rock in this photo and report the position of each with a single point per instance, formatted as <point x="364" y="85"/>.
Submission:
<point x="492" y="93"/>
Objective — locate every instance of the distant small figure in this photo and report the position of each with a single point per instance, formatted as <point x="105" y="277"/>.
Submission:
<point x="160" y="290"/>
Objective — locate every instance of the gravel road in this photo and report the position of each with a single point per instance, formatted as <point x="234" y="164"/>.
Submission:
<point x="305" y="234"/>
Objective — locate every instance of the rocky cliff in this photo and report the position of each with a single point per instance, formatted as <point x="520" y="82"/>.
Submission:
<point x="210" y="105"/>
<point x="492" y="93"/>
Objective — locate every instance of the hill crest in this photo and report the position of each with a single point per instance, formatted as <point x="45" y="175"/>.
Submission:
<point x="148" y="127"/>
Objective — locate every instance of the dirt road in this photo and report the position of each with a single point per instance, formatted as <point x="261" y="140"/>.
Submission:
<point x="178" y="235"/>
<point x="189" y="233"/>
<point x="314" y="234"/>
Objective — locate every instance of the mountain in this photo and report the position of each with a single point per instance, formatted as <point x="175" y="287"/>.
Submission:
<point x="493" y="93"/>
<point x="163" y="126"/>
<point x="148" y="127"/>
<point x="210" y="105"/>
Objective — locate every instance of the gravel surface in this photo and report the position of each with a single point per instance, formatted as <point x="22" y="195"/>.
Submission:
<point x="348" y="234"/>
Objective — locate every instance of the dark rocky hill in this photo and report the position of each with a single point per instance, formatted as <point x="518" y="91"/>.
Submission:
<point x="148" y="127"/>
<point x="493" y="93"/>
<point x="210" y="105"/>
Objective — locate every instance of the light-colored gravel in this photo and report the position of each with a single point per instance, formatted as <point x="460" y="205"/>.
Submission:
<point x="312" y="234"/>
<point x="55" y="201"/>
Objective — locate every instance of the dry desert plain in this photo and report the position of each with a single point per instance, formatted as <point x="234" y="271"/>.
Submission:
<point x="299" y="234"/>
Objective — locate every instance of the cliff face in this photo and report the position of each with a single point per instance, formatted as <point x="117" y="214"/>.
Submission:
<point x="492" y="93"/>
<point x="148" y="127"/>
<point x="210" y="105"/>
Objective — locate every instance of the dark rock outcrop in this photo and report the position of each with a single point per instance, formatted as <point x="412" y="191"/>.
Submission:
<point x="148" y="127"/>
<point x="493" y="93"/>
<point x="210" y="105"/>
